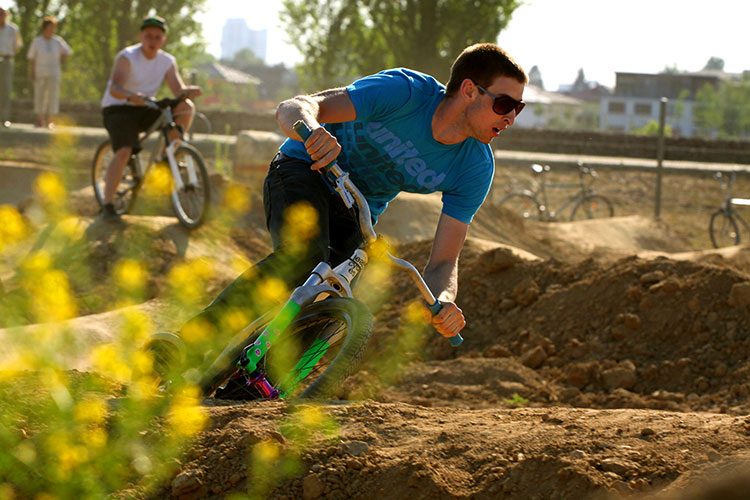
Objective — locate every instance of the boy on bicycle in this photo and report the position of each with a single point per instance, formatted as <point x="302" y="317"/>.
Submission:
<point x="398" y="130"/>
<point x="138" y="72"/>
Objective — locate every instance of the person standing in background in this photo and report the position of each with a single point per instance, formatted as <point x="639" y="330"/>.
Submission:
<point x="46" y="54"/>
<point x="10" y="42"/>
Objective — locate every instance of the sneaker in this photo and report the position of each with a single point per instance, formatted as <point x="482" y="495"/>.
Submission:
<point x="109" y="213"/>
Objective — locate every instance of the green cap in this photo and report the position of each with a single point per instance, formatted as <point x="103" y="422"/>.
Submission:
<point x="155" y="22"/>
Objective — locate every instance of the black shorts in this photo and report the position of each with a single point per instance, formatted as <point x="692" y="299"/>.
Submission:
<point x="124" y="122"/>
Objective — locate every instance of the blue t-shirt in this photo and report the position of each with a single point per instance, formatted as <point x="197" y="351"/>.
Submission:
<point x="389" y="148"/>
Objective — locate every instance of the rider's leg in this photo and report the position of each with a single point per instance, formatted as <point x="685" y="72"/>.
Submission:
<point x="115" y="170"/>
<point x="298" y="204"/>
<point x="183" y="115"/>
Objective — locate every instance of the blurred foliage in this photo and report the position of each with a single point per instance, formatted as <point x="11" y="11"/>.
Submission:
<point x="723" y="111"/>
<point x="97" y="30"/>
<point x="344" y="39"/>
<point x="652" y="128"/>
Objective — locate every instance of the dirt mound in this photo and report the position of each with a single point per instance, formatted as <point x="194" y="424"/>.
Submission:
<point x="637" y="333"/>
<point x="396" y="451"/>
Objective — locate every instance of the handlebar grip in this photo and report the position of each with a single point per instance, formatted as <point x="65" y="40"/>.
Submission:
<point x="302" y="129"/>
<point x="434" y="309"/>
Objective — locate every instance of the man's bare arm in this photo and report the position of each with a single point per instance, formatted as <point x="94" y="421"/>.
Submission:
<point x="441" y="273"/>
<point x="329" y="106"/>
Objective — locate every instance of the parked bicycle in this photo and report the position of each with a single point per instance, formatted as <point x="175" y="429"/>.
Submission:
<point x="308" y="346"/>
<point x="534" y="203"/>
<point x="724" y="228"/>
<point x="191" y="188"/>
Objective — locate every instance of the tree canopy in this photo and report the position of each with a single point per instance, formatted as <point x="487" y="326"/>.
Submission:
<point x="344" y="39"/>
<point x="96" y="31"/>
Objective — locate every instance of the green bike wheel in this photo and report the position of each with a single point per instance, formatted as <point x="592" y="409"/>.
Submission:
<point x="310" y="359"/>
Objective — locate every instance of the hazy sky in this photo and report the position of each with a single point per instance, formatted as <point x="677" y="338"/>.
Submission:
<point x="561" y="36"/>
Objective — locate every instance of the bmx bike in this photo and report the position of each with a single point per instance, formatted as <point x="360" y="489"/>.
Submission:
<point x="310" y="344"/>
<point x="191" y="189"/>
<point x="534" y="204"/>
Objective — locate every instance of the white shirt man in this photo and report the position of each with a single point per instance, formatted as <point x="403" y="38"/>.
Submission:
<point x="10" y="42"/>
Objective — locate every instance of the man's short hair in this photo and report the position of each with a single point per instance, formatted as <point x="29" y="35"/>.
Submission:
<point x="154" y="22"/>
<point x="482" y="63"/>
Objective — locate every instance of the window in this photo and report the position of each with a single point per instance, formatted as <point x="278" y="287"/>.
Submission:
<point x="643" y="108"/>
<point x="616" y="107"/>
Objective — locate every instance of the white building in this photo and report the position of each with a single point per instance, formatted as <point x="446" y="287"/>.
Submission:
<point x="545" y="108"/>
<point x="236" y="36"/>
<point x="635" y="101"/>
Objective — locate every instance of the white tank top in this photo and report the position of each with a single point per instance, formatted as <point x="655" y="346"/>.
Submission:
<point x="146" y="75"/>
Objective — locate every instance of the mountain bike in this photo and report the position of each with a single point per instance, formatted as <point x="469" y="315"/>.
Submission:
<point x="724" y="228"/>
<point x="534" y="203"/>
<point x="191" y="188"/>
<point x="316" y="339"/>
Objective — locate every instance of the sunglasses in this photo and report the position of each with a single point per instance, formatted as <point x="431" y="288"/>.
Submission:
<point x="503" y="104"/>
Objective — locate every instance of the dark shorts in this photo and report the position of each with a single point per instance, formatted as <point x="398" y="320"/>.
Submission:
<point x="124" y="123"/>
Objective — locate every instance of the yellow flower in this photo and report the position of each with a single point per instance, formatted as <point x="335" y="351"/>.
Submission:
<point x="106" y="359"/>
<point x="137" y="326"/>
<point x="266" y="451"/>
<point x="90" y="411"/>
<point x="311" y="417"/>
<point x="13" y="228"/>
<point x="195" y="331"/>
<point x="52" y="298"/>
<point x="130" y="275"/>
<point x="301" y="222"/>
<point x="186" y="416"/>
<point x="37" y="262"/>
<point x="414" y="312"/>
<point x="95" y="438"/>
<point x="159" y="180"/>
<point x="236" y="199"/>
<point x="49" y="187"/>
<point x="272" y="290"/>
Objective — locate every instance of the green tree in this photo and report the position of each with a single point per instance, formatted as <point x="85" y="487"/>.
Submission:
<point x="343" y="39"/>
<point x="714" y="63"/>
<point x="707" y="115"/>
<point x="97" y="30"/>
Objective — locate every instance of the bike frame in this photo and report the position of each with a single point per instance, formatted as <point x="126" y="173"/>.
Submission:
<point x="326" y="280"/>
<point x="583" y="190"/>
<point x="165" y="122"/>
<point x="730" y="201"/>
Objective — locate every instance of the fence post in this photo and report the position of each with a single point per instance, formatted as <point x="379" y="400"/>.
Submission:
<point x="660" y="154"/>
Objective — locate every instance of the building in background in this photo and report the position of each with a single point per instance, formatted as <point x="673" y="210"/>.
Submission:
<point x="635" y="101"/>
<point x="549" y="109"/>
<point x="236" y="36"/>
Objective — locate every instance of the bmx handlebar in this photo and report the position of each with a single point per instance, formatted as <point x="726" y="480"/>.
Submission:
<point x="365" y="222"/>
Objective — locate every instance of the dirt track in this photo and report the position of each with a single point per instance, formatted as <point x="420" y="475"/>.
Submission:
<point x="602" y="359"/>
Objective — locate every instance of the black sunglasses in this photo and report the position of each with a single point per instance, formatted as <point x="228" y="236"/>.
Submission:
<point x="503" y="104"/>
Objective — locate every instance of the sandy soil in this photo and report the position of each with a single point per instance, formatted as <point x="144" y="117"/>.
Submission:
<point x="603" y="359"/>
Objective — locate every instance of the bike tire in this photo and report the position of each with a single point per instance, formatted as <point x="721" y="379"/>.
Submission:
<point x="723" y="229"/>
<point x="523" y="204"/>
<point x="192" y="202"/>
<point x="127" y="190"/>
<point x="348" y="322"/>
<point x="593" y="206"/>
